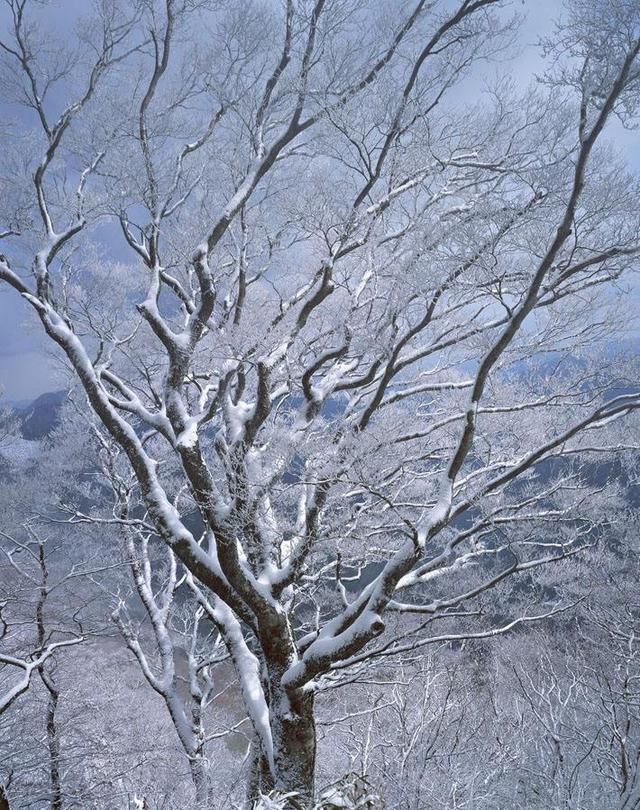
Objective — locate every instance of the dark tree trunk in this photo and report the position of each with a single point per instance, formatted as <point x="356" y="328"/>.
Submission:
<point x="260" y="779"/>
<point x="294" y="754"/>
<point x="291" y="712"/>
<point x="53" y="742"/>
<point x="294" y="747"/>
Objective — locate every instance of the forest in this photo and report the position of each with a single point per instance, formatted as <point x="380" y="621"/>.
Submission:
<point x="329" y="497"/>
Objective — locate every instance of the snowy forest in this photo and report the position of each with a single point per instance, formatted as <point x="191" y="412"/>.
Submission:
<point x="328" y="495"/>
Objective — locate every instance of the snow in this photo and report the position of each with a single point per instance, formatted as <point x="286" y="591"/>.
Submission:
<point x="237" y="415"/>
<point x="189" y="436"/>
<point x="439" y="513"/>
<point x="327" y="647"/>
<point x="248" y="668"/>
<point x="19" y="451"/>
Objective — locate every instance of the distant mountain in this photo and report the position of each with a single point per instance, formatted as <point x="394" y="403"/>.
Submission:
<point x="39" y="418"/>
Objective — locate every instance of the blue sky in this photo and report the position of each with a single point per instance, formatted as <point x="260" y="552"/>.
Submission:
<point x="27" y="364"/>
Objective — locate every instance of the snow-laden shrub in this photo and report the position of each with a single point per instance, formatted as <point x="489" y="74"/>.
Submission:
<point x="352" y="792"/>
<point x="274" y="801"/>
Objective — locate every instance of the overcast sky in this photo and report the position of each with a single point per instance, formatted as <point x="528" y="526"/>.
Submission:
<point x="27" y="365"/>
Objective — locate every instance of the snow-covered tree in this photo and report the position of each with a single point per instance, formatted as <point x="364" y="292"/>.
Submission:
<point x="186" y="654"/>
<point x="347" y="321"/>
<point x="25" y="589"/>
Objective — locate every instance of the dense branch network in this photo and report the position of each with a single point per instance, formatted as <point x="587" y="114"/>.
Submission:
<point x="339" y="282"/>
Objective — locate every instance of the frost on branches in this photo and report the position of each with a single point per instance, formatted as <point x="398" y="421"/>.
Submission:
<point x="342" y="307"/>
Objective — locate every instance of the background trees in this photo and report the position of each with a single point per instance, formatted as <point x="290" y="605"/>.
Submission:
<point x="349" y="356"/>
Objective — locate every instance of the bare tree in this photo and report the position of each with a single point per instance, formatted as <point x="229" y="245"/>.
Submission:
<point x="186" y="653"/>
<point x="32" y="574"/>
<point x="362" y="319"/>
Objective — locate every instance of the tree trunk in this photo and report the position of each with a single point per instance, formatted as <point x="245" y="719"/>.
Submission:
<point x="294" y="752"/>
<point x="53" y="742"/>
<point x="4" y="801"/>
<point x="200" y="782"/>
<point x="291" y="716"/>
<point x="294" y="746"/>
<point x="260" y="777"/>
